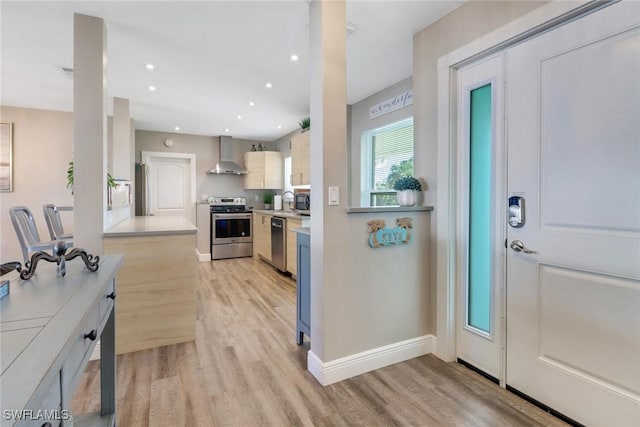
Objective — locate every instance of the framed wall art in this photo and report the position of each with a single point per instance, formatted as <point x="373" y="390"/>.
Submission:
<point x="6" y="157"/>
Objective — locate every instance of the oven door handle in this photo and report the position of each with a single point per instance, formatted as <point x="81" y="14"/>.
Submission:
<point x="232" y="216"/>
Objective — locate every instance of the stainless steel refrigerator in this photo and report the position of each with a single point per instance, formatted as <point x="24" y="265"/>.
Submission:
<point x="142" y="189"/>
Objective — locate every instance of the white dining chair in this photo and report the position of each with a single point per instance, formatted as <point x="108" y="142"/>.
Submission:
<point x="27" y="232"/>
<point x="54" y="222"/>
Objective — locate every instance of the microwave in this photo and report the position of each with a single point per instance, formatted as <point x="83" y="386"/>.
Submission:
<point x="302" y="203"/>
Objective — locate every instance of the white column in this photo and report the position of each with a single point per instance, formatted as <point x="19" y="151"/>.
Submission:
<point x="328" y="105"/>
<point x="121" y="139"/>
<point x="89" y="131"/>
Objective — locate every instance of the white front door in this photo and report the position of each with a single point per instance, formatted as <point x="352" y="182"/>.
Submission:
<point x="573" y="293"/>
<point x="480" y="326"/>
<point x="171" y="184"/>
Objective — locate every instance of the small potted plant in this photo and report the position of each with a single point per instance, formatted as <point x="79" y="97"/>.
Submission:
<point x="70" y="172"/>
<point x="305" y="124"/>
<point x="407" y="188"/>
<point x="267" y="198"/>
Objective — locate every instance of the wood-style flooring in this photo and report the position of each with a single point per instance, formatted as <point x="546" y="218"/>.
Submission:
<point x="245" y="369"/>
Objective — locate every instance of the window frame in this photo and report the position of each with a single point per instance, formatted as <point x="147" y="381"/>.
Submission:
<point x="366" y="188"/>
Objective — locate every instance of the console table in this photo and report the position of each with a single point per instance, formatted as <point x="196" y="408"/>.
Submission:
<point x="49" y="326"/>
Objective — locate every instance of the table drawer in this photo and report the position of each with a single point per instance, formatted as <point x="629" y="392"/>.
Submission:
<point x="81" y="347"/>
<point x="45" y="406"/>
<point x="106" y="301"/>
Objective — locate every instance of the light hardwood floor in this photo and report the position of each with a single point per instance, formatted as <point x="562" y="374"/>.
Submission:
<point x="245" y="369"/>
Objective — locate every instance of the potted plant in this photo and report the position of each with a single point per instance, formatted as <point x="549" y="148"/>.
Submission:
<point x="305" y="124"/>
<point x="407" y="188"/>
<point x="267" y="198"/>
<point x="110" y="181"/>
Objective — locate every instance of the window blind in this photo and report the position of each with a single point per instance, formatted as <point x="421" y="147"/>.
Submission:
<point x="391" y="155"/>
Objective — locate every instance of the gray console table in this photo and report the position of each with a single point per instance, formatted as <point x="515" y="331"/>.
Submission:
<point x="49" y="327"/>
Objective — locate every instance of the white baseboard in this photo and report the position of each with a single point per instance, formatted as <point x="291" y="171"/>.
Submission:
<point x="202" y="257"/>
<point x="347" y="367"/>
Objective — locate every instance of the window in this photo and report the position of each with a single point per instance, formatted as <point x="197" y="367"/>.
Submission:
<point x="387" y="155"/>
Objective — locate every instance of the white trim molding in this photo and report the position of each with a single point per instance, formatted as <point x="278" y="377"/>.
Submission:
<point x="206" y="257"/>
<point x="350" y="366"/>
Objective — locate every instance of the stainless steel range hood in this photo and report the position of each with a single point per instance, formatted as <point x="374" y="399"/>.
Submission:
<point x="226" y="166"/>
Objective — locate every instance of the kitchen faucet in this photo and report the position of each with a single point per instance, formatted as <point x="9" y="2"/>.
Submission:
<point x="289" y="200"/>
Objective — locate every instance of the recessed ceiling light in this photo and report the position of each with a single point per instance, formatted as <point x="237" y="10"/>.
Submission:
<point x="177" y="128"/>
<point x="268" y="85"/>
<point x="294" y="57"/>
<point x="150" y="67"/>
<point x="152" y="88"/>
<point x="239" y="117"/>
<point x="279" y="126"/>
<point x="252" y="104"/>
<point x="226" y="130"/>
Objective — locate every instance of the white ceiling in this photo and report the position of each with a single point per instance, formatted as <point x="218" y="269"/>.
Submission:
<point x="211" y="58"/>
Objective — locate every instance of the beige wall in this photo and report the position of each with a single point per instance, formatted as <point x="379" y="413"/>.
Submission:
<point x="455" y="30"/>
<point x="388" y="295"/>
<point x="361" y="298"/>
<point x="206" y="149"/>
<point x="42" y="150"/>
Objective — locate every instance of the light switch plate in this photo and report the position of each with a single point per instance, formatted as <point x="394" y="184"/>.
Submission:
<point x="334" y="196"/>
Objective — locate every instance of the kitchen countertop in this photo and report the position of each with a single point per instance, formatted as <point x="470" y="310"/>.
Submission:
<point x="151" y="226"/>
<point x="283" y="214"/>
<point x="302" y="230"/>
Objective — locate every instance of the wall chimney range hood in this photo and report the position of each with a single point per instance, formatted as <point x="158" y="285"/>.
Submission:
<point x="226" y="166"/>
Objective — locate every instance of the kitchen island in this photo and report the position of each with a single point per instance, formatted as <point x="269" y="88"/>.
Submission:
<point x="156" y="284"/>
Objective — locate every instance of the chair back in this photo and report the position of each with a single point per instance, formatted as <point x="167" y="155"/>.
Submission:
<point x="54" y="223"/>
<point x="26" y="229"/>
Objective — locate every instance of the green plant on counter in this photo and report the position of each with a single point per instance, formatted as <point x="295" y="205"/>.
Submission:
<point x="110" y="181"/>
<point x="407" y="183"/>
<point x="267" y="198"/>
<point x="305" y="124"/>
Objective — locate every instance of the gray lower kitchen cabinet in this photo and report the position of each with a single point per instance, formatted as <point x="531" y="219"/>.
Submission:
<point x="303" y="287"/>
<point x="48" y="330"/>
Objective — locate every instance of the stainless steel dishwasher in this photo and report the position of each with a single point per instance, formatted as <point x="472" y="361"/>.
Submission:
<point x="278" y="243"/>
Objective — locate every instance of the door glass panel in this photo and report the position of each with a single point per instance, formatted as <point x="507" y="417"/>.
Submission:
<point x="479" y="281"/>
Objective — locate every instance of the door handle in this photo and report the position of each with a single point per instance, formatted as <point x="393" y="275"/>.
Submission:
<point x="518" y="246"/>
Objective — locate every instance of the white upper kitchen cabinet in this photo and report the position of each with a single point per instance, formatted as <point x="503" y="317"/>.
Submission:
<point x="264" y="170"/>
<point x="300" y="153"/>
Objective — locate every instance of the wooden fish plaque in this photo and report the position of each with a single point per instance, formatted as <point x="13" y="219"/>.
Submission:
<point x="379" y="235"/>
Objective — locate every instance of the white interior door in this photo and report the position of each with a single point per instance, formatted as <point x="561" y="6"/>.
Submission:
<point x="573" y="293"/>
<point x="479" y="334"/>
<point x="171" y="184"/>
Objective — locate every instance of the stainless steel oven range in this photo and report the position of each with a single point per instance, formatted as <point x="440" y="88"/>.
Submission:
<point x="231" y="228"/>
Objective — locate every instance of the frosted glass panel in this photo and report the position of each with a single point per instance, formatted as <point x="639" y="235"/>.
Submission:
<point x="479" y="284"/>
